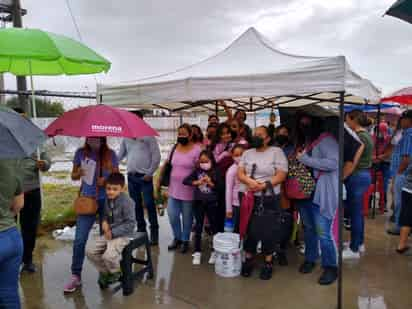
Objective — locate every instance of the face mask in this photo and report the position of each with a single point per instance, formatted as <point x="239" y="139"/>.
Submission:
<point x="205" y="166"/>
<point x="183" y="140"/>
<point x="282" y="139"/>
<point x="94" y="143"/>
<point x="236" y="159"/>
<point x="257" y="142"/>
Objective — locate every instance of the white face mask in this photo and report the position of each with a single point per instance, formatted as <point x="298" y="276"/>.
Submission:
<point x="205" y="166"/>
<point x="94" y="143"/>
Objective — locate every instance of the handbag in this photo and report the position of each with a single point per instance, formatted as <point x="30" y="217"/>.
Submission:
<point x="299" y="184"/>
<point x="84" y="205"/>
<point x="165" y="177"/>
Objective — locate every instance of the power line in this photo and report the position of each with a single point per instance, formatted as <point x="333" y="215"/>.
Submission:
<point x="76" y="26"/>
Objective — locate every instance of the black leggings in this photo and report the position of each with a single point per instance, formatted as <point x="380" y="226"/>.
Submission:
<point x="29" y="222"/>
<point x="200" y="209"/>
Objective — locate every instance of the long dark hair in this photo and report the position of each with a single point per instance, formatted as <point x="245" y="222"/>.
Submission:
<point x="216" y="139"/>
<point x="198" y="138"/>
<point x="316" y="130"/>
<point x="212" y="172"/>
<point x="104" y="156"/>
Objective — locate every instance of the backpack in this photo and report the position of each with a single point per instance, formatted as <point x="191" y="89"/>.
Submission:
<point x="300" y="183"/>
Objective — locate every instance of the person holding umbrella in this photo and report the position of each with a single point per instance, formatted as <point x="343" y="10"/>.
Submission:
<point x="143" y="159"/>
<point x="95" y="158"/>
<point x="29" y="169"/>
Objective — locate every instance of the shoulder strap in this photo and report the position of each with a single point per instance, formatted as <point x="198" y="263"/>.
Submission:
<point x="252" y="174"/>
<point x="172" y="153"/>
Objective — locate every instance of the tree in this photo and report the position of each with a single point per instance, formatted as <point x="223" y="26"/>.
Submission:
<point x="45" y="108"/>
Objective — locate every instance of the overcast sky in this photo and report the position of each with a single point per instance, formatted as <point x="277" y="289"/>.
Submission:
<point x="148" y="37"/>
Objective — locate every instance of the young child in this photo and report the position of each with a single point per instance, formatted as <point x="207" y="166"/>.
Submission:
<point x="208" y="181"/>
<point x="118" y="225"/>
<point x="232" y="188"/>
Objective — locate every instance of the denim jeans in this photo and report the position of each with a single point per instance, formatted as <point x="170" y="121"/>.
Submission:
<point x="181" y="226"/>
<point x="11" y="253"/>
<point x="356" y="185"/>
<point x="84" y="224"/>
<point x="317" y="229"/>
<point x="398" y="185"/>
<point x="137" y="187"/>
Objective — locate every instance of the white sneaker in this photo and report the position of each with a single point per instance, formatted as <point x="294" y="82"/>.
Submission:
<point x="197" y="256"/>
<point x="348" y="254"/>
<point x="362" y="248"/>
<point x="212" y="259"/>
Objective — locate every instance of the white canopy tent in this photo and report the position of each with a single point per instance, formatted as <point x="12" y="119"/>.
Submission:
<point x="250" y="74"/>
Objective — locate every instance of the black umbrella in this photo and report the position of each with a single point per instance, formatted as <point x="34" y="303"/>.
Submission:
<point x="401" y="9"/>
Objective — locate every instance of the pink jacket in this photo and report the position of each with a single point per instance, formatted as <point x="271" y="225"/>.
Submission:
<point x="232" y="188"/>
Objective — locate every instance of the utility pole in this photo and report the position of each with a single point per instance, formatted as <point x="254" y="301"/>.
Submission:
<point x="21" y="80"/>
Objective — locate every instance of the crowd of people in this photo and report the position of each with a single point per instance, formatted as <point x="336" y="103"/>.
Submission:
<point x="284" y="170"/>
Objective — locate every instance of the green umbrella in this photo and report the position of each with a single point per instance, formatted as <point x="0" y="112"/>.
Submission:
<point x="401" y="9"/>
<point x="27" y="52"/>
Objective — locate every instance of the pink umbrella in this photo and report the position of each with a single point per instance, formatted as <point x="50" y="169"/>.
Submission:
<point x="99" y="120"/>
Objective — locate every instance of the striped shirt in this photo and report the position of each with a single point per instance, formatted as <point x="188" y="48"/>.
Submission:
<point x="403" y="148"/>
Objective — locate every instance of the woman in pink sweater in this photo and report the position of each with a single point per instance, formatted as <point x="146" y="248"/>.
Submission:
<point x="232" y="188"/>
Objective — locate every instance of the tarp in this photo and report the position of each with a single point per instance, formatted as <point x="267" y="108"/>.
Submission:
<point x="251" y="74"/>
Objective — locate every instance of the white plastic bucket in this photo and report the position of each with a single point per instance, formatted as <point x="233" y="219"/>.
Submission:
<point x="228" y="255"/>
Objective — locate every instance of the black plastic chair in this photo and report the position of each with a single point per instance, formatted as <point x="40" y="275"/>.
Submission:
<point x="126" y="264"/>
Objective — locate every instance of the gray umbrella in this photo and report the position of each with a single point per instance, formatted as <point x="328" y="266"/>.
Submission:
<point x="19" y="137"/>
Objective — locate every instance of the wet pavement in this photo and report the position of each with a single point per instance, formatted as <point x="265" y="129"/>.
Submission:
<point x="380" y="280"/>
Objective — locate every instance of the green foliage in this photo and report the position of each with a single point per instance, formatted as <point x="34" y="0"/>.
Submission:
<point x="45" y="108"/>
<point x="58" y="204"/>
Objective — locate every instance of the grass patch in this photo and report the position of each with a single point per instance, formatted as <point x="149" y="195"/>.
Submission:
<point x="58" y="206"/>
<point x="57" y="175"/>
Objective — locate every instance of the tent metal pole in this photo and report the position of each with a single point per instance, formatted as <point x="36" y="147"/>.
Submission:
<point x="375" y="168"/>
<point x="340" y="198"/>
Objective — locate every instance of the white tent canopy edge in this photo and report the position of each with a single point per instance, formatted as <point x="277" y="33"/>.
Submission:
<point x="252" y="75"/>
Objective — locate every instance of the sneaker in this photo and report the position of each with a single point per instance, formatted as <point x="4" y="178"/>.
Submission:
<point x="266" y="271"/>
<point x="348" y="254"/>
<point x="393" y="231"/>
<point x="197" y="256"/>
<point x="282" y="259"/>
<point x="362" y="248"/>
<point x="329" y="275"/>
<point x="247" y="268"/>
<point x="29" y="267"/>
<point x="185" y="247"/>
<point x="73" y="284"/>
<point x="212" y="259"/>
<point x="174" y="245"/>
<point x="302" y="249"/>
<point x="307" y="267"/>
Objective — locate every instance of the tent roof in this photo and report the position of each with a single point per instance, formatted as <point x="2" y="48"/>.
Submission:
<point x="251" y="74"/>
